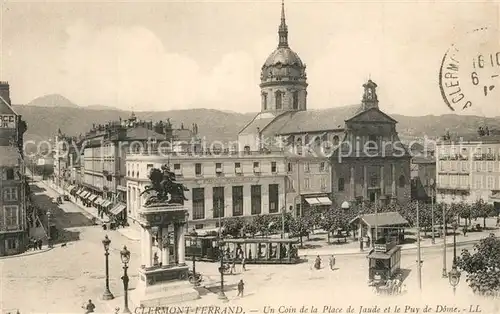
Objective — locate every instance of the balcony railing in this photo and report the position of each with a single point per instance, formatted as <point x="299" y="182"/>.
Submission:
<point x="206" y="153"/>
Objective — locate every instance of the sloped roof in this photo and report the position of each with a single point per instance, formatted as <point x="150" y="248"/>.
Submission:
<point x="5" y="107"/>
<point x="383" y="219"/>
<point x="371" y="113"/>
<point x="182" y="134"/>
<point x="9" y="156"/>
<point x="261" y="120"/>
<point x="142" y="133"/>
<point x="311" y="120"/>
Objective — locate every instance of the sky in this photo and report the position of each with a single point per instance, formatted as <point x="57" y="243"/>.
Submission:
<point x="208" y="54"/>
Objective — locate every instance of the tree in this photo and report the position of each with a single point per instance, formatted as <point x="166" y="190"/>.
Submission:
<point x="250" y="228"/>
<point x="335" y="219"/>
<point x="233" y="226"/>
<point x="299" y="227"/>
<point x="483" y="266"/>
<point x="480" y="209"/>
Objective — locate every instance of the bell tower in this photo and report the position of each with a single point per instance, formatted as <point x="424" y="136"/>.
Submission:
<point x="370" y="99"/>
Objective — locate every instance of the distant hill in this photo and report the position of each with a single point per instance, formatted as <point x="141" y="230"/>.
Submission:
<point x="220" y="125"/>
<point x="100" y="107"/>
<point x="52" y="100"/>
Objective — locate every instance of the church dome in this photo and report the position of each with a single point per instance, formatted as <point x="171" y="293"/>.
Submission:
<point x="283" y="56"/>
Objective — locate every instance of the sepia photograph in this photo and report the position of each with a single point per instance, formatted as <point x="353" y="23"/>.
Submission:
<point x="250" y="157"/>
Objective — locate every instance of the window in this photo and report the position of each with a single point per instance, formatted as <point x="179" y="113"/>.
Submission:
<point x="306" y="183"/>
<point x="402" y="181"/>
<point x="11" y="244"/>
<point x="237" y="200"/>
<point x="177" y="169"/>
<point x="279" y="100"/>
<point x="10" y="194"/>
<point x="306" y="139"/>
<point x="10" y="214"/>
<point x="307" y="167"/>
<point x="218" y="201"/>
<point x="273" y="198"/>
<point x="197" y="169"/>
<point x="323" y="183"/>
<point x="295" y="100"/>
<point x="489" y="183"/>
<point x="372" y="142"/>
<point x="256" y="199"/>
<point x="10" y="174"/>
<point x="256" y="167"/>
<point x="341" y="186"/>
<point x="273" y="167"/>
<point x="490" y="166"/>
<point x="237" y="168"/>
<point x="198" y="203"/>
<point x="264" y="101"/>
<point x="464" y="166"/>
<point x="218" y="167"/>
<point x="322" y="166"/>
<point x="441" y="166"/>
<point x="336" y="140"/>
<point x="479" y="182"/>
<point x="290" y="167"/>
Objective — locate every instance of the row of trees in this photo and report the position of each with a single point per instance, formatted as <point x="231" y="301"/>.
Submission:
<point x="336" y="219"/>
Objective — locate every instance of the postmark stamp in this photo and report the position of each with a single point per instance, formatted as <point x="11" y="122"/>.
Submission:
<point x="469" y="76"/>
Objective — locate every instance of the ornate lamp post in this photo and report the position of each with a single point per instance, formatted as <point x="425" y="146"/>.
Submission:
<point x="49" y="238"/>
<point x="445" y="271"/>
<point x="107" y="294"/>
<point x="125" y="256"/>
<point x="192" y="244"/>
<point x="454" y="274"/>
<point x="222" y="295"/>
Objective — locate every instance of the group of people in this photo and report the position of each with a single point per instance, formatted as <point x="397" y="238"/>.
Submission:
<point x="35" y="244"/>
<point x="331" y="262"/>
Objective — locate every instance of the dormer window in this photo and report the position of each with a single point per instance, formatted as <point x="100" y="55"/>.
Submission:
<point x="279" y="100"/>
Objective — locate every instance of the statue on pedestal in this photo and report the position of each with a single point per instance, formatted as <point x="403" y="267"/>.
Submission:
<point x="163" y="188"/>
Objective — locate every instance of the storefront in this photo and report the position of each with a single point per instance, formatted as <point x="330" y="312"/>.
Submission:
<point x="380" y="227"/>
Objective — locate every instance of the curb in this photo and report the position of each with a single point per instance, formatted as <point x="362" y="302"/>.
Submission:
<point x="437" y="246"/>
<point x="27" y="253"/>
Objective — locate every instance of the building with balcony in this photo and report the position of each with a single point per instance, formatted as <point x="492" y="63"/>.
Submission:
<point x="220" y="184"/>
<point x="13" y="186"/>
<point x="105" y="147"/>
<point x="66" y="157"/>
<point x="468" y="169"/>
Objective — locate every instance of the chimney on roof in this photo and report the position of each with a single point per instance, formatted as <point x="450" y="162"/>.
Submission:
<point x="5" y="91"/>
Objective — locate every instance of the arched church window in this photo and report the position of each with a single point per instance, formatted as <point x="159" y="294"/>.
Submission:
<point x="264" y="101"/>
<point x="372" y="142"/>
<point x="296" y="100"/>
<point x="279" y="100"/>
<point x="317" y="141"/>
<point x="402" y="181"/>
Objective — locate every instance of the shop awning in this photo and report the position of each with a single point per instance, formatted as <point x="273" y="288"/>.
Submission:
<point x="118" y="208"/>
<point x="88" y="196"/>
<point x="98" y="200"/>
<point x="69" y="188"/>
<point x="92" y="197"/>
<point x="82" y="193"/>
<point x="312" y="201"/>
<point x="106" y="203"/>
<point x="324" y="200"/>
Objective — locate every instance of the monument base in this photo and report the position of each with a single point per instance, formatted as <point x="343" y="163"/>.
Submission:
<point x="163" y="285"/>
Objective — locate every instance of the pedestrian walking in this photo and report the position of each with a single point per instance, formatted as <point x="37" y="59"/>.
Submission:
<point x="332" y="262"/>
<point x="40" y="243"/>
<point x="317" y="262"/>
<point x="243" y="260"/>
<point x="241" y="287"/>
<point x="89" y="308"/>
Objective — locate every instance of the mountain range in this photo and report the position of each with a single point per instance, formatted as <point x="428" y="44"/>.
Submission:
<point x="46" y="114"/>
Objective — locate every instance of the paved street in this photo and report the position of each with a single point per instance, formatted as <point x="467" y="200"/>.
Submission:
<point x="61" y="280"/>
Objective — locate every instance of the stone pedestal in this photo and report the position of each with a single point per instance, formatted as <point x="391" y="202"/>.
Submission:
<point x="168" y="283"/>
<point x="162" y="286"/>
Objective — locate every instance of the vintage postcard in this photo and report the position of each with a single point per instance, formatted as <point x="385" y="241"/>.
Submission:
<point x="260" y="156"/>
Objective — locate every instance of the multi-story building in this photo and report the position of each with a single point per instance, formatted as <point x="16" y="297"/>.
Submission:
<point x="220" y="185"/>
<point x="423" y="178"/>
<point x="66" y="156"/>
<point x="468" y="169"/>
<point x="105" y="148"/>
<point x="13" y="222"/>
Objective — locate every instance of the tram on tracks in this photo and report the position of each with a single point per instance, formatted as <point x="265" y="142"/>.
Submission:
<point x="254" y="250"/>
<point x="384" y="262"/>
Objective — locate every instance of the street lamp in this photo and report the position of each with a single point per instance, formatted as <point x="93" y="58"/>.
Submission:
<point x="49" y="238"/>
<point x="433" y="192"/>
<point x="125" y="256"/>
<point x="192" y="243"/>
<point x="107" y="294"/>
<point x="454" y="274"/>
<point x="222" y="295"/>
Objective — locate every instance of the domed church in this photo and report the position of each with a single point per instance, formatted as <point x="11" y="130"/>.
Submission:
<point x="351" y="153"/>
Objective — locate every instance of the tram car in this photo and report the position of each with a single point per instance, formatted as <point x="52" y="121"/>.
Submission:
<point x="384" y="262"/>
<point x="254" y="250"/>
